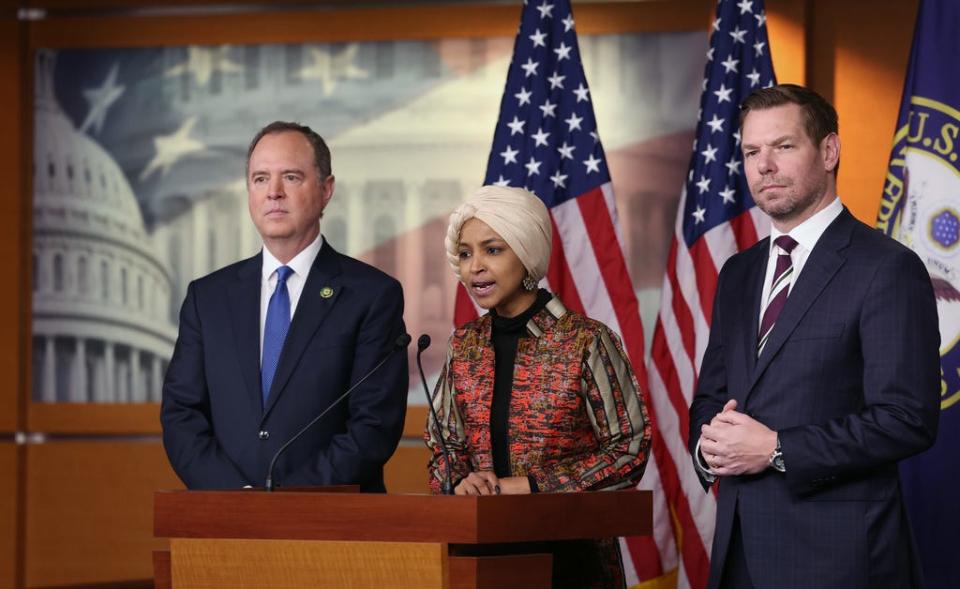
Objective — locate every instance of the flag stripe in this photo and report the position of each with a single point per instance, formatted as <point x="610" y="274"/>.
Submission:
<point x="600" y="228"/>
<point x="559" y="275"/>
<point x="584" y="265"/>
<point x="695" y="507"/>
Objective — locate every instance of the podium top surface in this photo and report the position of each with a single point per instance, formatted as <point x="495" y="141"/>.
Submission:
<point x="401" y="518"/>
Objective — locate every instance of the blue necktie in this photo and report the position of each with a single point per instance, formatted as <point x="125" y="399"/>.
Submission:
<point x="275" y="330"/>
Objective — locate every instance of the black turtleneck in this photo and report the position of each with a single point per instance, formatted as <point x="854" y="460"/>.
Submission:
<point x="506" y="333"/>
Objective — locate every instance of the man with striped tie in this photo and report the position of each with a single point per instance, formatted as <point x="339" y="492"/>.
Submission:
<point x="820" y="374"/>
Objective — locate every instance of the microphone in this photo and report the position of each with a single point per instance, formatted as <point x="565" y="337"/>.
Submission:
<point x="400" y="343"/>
<point x="446" y="486"/>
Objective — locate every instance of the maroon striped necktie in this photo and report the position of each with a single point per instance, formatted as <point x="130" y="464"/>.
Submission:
<point x="779" y="289"/>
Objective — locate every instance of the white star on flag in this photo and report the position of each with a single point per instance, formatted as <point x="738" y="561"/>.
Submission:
<point x="546" y="10"/>
<point x="733" y="165"/>
<point x="573" y="122"/>
<point x="730" y="65"/>
<point x="759" y="47"/>
<point x="754" y="77"/>
<point x="530" y="67"/>
<point x="567" y="23"/>
<point x="509" y="155"/>
<point x="533" y="167"/>
<point x="537" y="37"/>
<point x="592" y="163"/>
<point x="556" y="81"/>
<point x="582" y="93"/>
<point x="201" y="63"/>
<point x="745" y="6"/>
<point x="516" y="125"/>
<point x="738" y="35"/>
<point x="540" y="137"/>
<point x="559" y="179"/>
<point x="700" y="214"/>
<point x="723" y="94"/>
<point x="566" y="151"/>
<point x="330" y="68"/>
<point x="548" y="109"/>
<point x="502" y="181"/>
<point x="171" y="148"/>
<point x="710" y="153"/>
<point x="727" y="195"/>
<point x="100" y="100"/>
<point x="563" y="51"/>
<point x="523" y="96"/>
<point x="716" y="124"/>
<point x="703" y="184"/>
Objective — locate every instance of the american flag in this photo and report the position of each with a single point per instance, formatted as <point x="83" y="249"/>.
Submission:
<point x="716" y="219"/>
<point x="546" y="141"/>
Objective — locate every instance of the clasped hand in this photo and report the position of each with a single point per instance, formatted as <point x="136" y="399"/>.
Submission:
<point x="486" y="483"/>
<point x="734" y="443"/>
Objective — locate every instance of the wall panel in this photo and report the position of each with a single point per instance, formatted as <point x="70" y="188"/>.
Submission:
<point x="860" y="54"/>
<point x="9" y="478"/>
<point x="89" y="510"/>
<point x="12" y="168"/>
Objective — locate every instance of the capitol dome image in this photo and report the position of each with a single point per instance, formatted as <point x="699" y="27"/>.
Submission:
<point x="101" y="295"/>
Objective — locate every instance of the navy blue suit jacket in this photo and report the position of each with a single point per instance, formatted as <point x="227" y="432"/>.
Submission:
<point x="215" y="430"/>
<point x="850" y="378"/>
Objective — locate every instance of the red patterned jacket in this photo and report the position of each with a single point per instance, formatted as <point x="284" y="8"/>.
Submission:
<point x="577" y="418"/>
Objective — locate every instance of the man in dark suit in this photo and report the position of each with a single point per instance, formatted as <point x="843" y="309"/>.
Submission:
<point x="821" y="372"/>
<point x="268" y="343"/>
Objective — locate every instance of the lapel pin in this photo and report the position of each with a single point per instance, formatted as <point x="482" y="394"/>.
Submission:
<point x="326" y="292"/>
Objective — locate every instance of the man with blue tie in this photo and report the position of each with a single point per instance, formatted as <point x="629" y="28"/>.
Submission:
<point x="821" y="373"/>
<point x="268" y="343"/>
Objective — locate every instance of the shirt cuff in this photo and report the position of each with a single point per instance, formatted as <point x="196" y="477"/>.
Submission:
<point x="702" y="468"/>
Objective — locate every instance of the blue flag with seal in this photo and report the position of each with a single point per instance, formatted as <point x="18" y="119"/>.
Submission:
<point x="920" y="207"/>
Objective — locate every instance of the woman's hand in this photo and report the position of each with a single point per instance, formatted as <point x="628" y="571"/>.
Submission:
<point x="487" y="483"/>
<point x="479" y="483"/>
<point x="515" y="486"/>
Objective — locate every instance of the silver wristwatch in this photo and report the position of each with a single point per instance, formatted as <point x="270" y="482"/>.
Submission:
<point x="776" y="458"/>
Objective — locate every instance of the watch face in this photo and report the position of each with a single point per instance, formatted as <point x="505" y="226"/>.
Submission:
<point x="778" y="462"/>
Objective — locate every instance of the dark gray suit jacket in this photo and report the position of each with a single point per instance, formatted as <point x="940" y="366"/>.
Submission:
<point x="850" y="378"/>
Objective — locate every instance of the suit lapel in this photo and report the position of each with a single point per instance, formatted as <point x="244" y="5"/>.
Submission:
<point x="244" y="303"/>
<point x="751" y="309"/>
<point x="821" y="265"/>
<point x="320" y="294"/>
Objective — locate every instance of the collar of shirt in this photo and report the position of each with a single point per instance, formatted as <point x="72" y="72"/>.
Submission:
<point x="808" y="233"/>
<point x="300" y="264"/>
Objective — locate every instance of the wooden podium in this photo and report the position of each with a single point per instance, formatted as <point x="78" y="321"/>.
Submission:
<point x="323" y="539"/>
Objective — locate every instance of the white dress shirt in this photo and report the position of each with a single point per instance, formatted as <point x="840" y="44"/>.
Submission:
<point x="300" y="264"/>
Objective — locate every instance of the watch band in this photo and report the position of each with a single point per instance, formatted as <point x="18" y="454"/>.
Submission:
<point x="776" y="458"/>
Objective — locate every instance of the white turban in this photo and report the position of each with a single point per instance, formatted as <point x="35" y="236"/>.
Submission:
<point x="517" y="215"/>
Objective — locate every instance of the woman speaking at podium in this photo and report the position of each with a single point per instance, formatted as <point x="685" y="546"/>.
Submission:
<point x="533" y="398"/>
